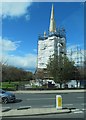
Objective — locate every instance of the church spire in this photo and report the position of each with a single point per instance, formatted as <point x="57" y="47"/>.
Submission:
<point x="52" y="21"/>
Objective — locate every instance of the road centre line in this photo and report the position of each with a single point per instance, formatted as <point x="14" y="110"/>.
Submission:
<point x="54" y="105"/>
<point x="48" y="99"/>
<point x="48" y="106"/>
<point x="42" y="99"/>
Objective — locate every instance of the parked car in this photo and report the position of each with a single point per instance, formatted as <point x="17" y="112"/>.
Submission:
<point x="6" y="97"/>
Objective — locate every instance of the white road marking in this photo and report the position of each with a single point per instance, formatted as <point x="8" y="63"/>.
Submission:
<point x="41" y="99"/>
<point x="80" y="97"/>
<point x="48" y="106"/>
<point x="75" y="110"/>
<point x="78" y="112"/>
<point x="68" y="104"/>
<point x="83" y="109"/>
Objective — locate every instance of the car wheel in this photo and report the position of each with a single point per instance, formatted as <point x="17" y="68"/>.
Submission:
<point x="5" y="100"/>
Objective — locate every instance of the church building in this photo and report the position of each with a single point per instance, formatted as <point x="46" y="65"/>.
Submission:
<point x="52" y="43"/>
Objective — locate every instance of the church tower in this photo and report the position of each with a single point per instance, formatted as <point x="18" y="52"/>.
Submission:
<point x="52" y="21"/>
<point x="52" y="43"/>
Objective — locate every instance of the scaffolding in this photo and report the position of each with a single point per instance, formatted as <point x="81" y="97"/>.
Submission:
<point x="77" y="55"/>
<point x="60" y="32"/>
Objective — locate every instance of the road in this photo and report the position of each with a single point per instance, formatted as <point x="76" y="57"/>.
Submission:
<point x="70" y="100"/>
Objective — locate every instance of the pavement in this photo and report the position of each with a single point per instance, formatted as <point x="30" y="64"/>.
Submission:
<point x="50" y="91"/>
<point x="7" y="112"/>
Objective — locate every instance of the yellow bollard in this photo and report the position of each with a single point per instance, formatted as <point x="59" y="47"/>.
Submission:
<point x="58" y="102"/>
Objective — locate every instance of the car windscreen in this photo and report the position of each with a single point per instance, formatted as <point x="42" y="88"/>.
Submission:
<point x="2" y="91"/>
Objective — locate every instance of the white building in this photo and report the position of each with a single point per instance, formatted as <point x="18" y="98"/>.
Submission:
<point x="53" y="43"/>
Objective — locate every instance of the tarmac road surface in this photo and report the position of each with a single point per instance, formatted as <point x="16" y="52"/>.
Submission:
<point x="73" y="100"/>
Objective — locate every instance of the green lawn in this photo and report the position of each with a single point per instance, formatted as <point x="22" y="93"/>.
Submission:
<point x="7" y="85"/>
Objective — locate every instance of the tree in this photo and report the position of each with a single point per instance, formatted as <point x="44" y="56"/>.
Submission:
<point x="39" y="74"/>
<point x="60" y="68"/>
<point x="11" y="73"/>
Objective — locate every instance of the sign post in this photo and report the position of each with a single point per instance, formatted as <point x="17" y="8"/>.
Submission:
<point x="58" y="102"/>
